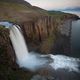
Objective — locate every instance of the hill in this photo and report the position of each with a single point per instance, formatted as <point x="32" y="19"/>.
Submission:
<point x="21" y="11"/>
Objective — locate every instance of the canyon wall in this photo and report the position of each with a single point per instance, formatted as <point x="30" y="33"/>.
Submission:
<point x="40" y="28"/>
<point x="46" y="26"/>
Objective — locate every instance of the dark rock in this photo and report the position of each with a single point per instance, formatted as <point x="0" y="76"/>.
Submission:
<point x="45" y="32"/>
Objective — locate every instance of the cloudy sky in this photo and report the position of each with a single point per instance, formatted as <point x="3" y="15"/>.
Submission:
<point x="55" y="4"/>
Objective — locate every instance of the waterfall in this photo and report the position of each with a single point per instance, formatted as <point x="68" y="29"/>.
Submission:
<point x="18" y="42"/>
<point x="25" y="59"/>
<point x="33" y="61"/>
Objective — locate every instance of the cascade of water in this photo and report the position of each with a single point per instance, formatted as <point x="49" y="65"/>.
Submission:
<point x="24" y="58"/>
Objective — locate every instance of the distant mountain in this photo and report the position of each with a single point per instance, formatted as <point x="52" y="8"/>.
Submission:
<point x="72" y="9"/>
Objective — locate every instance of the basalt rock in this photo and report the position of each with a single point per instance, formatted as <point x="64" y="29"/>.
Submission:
<point x="48" y="32"/>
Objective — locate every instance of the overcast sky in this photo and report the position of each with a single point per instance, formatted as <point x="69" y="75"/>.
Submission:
<point x="54" y="4"/>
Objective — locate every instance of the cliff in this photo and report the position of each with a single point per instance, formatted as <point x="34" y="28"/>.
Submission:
<point x="46" y="32"/>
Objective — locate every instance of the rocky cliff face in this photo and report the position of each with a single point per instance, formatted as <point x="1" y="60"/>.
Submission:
<point x="41" y="28"/>
<point x="48" y="32"/>
<point x="45" y="26"/>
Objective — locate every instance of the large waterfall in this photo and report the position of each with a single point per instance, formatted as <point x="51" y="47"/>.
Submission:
<point x="33" y="61"/>
<point x="24" y="58"/>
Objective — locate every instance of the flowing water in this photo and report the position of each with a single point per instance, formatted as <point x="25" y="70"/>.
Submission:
<point x="25" y="59"/>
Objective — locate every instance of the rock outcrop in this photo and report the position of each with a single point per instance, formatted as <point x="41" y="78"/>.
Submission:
<point x="48" y="32"/>
<point x="41" y="28"/>
<point x="45" y="26"/>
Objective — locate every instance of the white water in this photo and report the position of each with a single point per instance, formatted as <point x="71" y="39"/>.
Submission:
<point x="33" y="61"/>
<point x="65" y="62"/>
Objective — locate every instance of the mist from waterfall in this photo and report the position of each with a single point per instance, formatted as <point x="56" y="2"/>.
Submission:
<point x="34" y="61"/>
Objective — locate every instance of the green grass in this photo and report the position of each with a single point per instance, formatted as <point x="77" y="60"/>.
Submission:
<point x="58" y="14"/>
